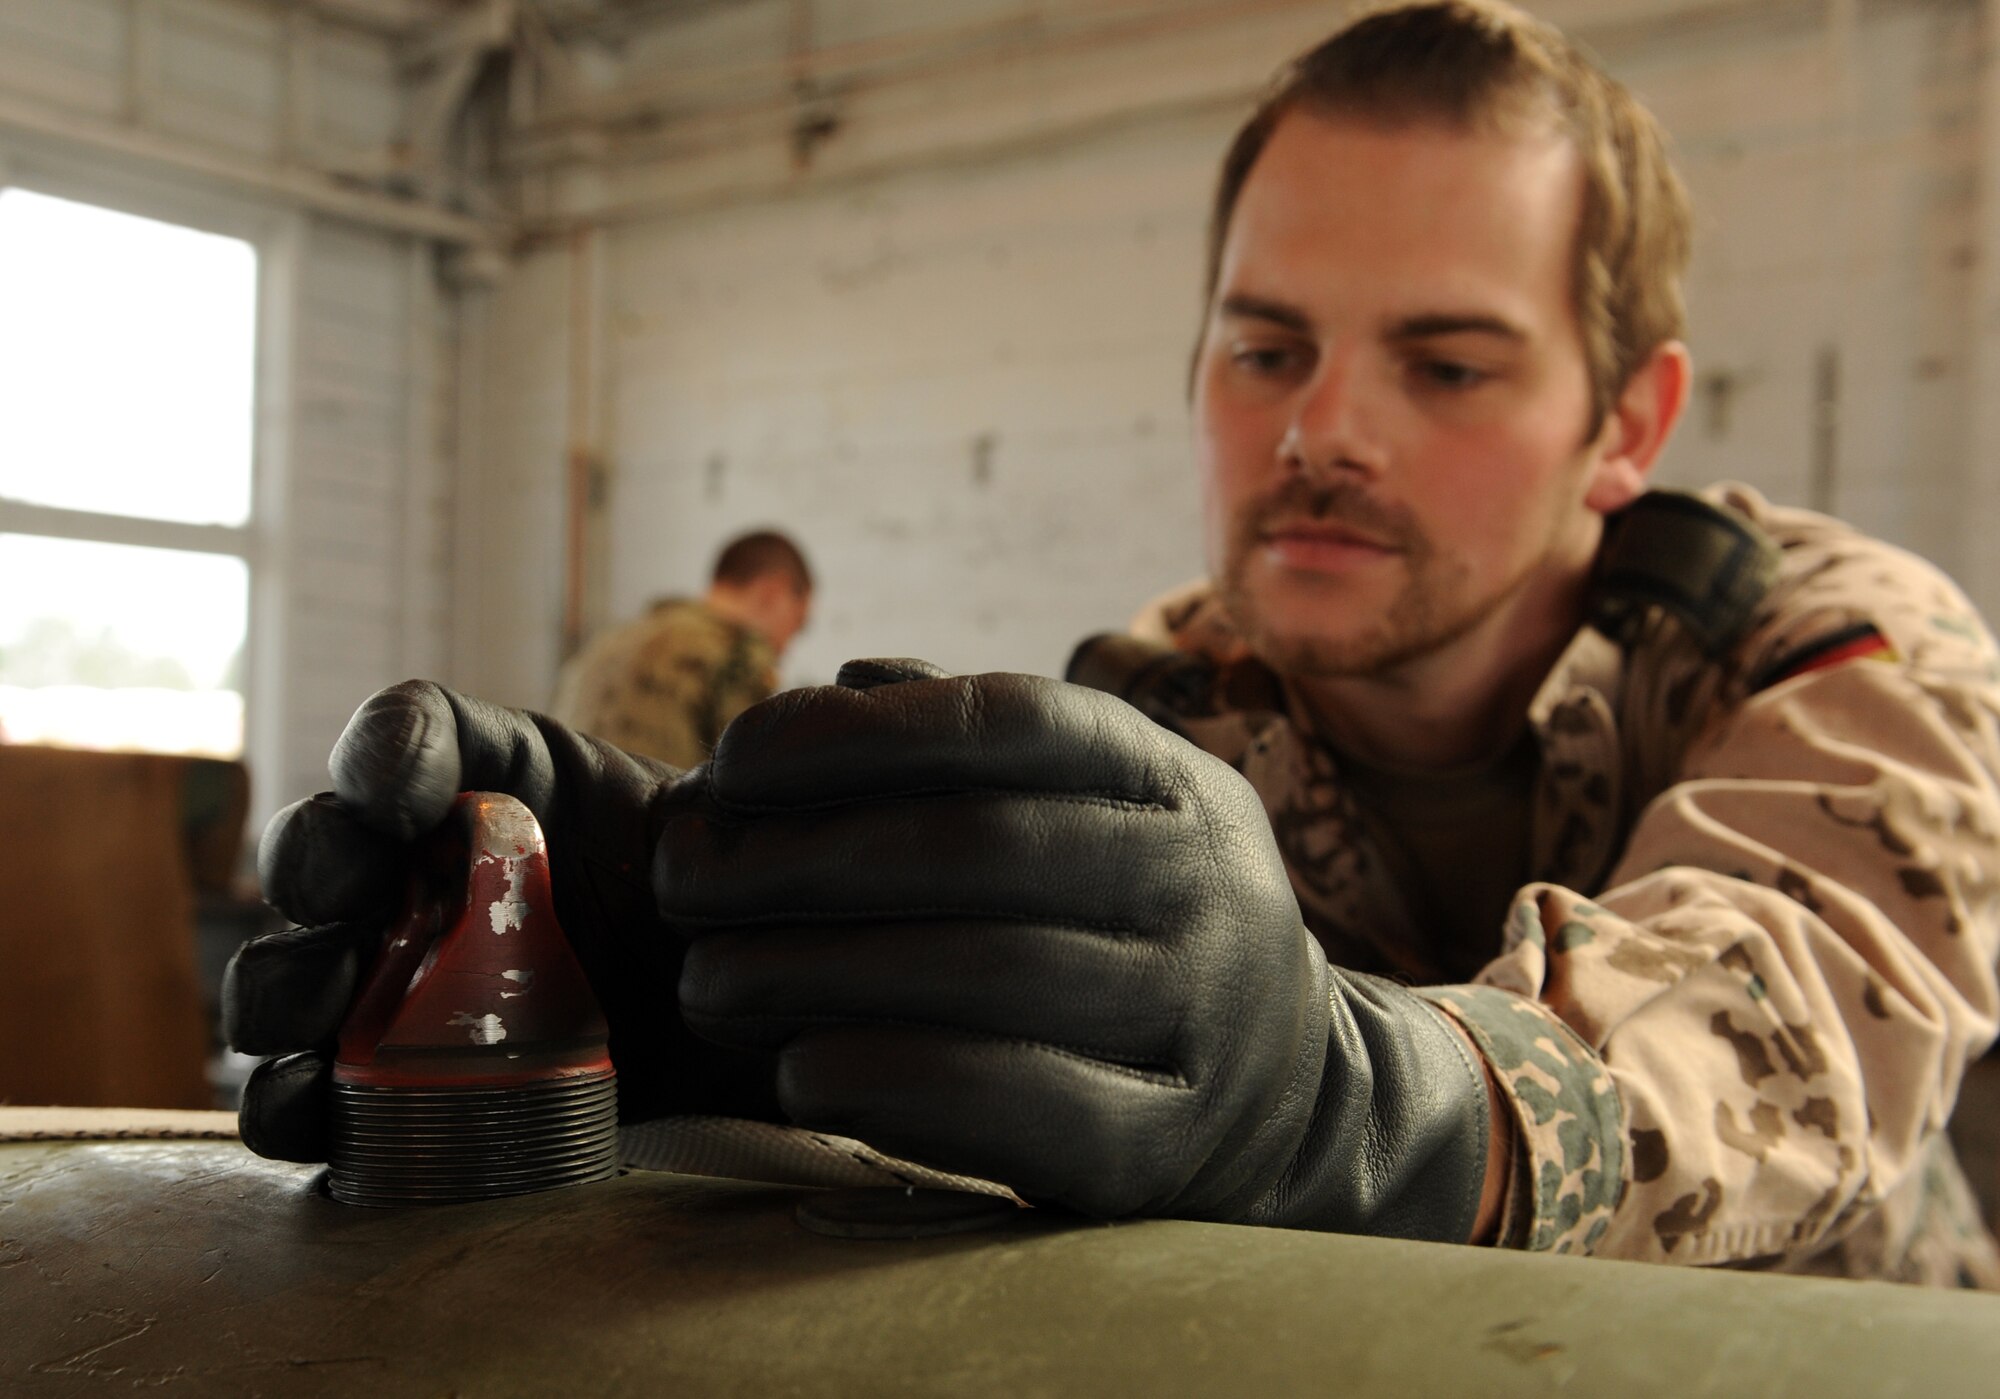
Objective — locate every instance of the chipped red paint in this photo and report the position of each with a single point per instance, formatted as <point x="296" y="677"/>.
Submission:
<point x="476" y="984"/>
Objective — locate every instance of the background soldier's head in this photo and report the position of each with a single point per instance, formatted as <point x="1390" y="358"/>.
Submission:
<point x="762" y="579"/>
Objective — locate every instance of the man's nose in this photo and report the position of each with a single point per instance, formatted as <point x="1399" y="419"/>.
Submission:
<point x="1331" y="429"/>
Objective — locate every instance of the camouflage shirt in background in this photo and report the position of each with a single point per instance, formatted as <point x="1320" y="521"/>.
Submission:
<point x="666" y="685"/>
<point x="1733" y="1006"/>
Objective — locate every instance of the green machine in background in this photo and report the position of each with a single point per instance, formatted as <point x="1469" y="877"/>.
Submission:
<point x="192" y="1267"/>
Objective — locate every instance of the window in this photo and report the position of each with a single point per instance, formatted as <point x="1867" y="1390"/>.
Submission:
<point x="127" y="412"/>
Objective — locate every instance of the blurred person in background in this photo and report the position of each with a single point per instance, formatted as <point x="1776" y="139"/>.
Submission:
<point x="667" y="684"/>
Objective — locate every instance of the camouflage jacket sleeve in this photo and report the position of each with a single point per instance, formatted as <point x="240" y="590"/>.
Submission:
<point x="1752" y="1034"/>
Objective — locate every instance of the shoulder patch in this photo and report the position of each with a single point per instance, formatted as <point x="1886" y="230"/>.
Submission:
<point x="1859" y="642"/>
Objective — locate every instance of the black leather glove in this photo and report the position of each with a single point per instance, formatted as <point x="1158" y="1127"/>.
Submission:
<point x="1010" y="927"/>
<point x="336" y="864"/>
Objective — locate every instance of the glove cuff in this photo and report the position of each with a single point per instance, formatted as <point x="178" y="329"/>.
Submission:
<point x="1396" y="1144"/>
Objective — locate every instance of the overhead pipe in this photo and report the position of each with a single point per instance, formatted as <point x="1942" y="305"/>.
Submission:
<point x="581" y="456"/>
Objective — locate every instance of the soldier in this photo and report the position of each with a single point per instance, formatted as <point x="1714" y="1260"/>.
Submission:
<point x="1505" y="853"/>
<point x="666" y="685"/>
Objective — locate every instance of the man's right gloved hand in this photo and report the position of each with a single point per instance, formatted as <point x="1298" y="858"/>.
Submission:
<point x="1012" y="929"/>
<point x="336" y="864"/>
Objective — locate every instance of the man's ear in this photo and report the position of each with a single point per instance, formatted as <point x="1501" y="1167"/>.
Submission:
<point x="1638" y="426"/>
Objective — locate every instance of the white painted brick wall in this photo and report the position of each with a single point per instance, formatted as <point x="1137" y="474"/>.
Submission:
<point x="1777" y="276"/>
<point x="212" y="71"/>
<point x="507" y="609"/>
<point x="961" y="388"/>
<point x="68" y="52"/>
<point x="361" y="524"/>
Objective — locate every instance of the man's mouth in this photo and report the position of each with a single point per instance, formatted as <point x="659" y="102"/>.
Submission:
<point x="1322" y="546"/>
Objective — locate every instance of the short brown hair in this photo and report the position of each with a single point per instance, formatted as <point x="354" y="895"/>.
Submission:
<point x="1473" y="64"/>
<point x="748" y="557"/>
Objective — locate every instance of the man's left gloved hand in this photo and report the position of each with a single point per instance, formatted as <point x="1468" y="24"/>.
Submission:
<point x="1011" y="928"/>
<point x="338" y="864"/>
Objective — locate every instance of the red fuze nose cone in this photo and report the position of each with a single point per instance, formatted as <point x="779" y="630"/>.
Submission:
<point x="474" y="1062"/>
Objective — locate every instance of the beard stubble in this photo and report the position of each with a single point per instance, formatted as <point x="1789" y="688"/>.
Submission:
<point x="1419" y="618"/>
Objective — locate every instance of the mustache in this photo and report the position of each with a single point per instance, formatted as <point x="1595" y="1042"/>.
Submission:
<point x="1340" y="502"/>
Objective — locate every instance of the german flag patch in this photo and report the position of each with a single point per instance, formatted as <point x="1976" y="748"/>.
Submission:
<point x="1860" y="642"/>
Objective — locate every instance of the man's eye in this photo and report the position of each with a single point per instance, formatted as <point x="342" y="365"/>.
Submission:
<point x="1264" y="359"/>
<point x="1448" y="374"/>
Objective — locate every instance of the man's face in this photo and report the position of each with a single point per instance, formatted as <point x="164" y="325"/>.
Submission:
<point x="789" y="609"/>
<point x="1391" y="397"/>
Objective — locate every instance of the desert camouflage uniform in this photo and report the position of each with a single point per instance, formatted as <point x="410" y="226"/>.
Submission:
<point x="1733" y="1008"/>
<point x="666" y="685"/>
